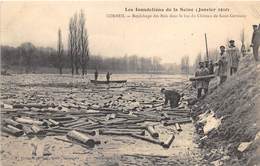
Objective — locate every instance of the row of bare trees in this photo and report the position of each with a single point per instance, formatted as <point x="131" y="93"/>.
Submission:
<point x="78" y="47"/>
<point x="28" y="58"/>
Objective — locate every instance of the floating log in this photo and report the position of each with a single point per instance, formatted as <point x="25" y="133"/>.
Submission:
<point x="81" y="138"/>
<point x="202" y="77"/>
<point x="178" y="127"/>
<point x="28" y="131"/>
<point x="180" y="121"/>
<point x="120" y="132"/>
<point x="48" y="123"/>
<point x="94" y="126"/>
<point x="12" y="130"/>
<point x="110" y="116"/>
<point x="114" y="121"/>
<point x="30" y="121"/>
<point x="81" y="124"/>
<point x="13" y="123"/>
<point x="55" y="123"/>
<point x="168" y="143"/>
<point x="165" y="116"/>
<point x="154" y="141"/>
<point x="62" y="118"/>
<point x="57" y="131"/>
<point x="31" y="105"/>
<point x="74" y="123"/>
<point x="90" y="132"/>
<point x="153" y="133"/>
<point x="38" y="130"/>
<point x="177" y="110"/>
<point x="128" y="127"/>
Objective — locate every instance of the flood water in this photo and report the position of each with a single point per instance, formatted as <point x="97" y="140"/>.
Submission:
<point x="117" y="149"/>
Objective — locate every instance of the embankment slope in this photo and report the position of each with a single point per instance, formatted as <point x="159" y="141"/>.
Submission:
<point x="237" y="104"/>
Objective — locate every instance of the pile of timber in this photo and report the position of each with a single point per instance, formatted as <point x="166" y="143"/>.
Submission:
<point x="37" y="120"/>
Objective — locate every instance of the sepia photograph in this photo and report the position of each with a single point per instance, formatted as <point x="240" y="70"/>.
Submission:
<point x="130" y="83"/>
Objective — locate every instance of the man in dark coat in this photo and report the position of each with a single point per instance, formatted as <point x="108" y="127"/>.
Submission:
<point x="202" y="84"/>
<point x="211" y="67"/>
<point x="255" y="43"/>
<point x="171" y="95"/>
<point x="96" y="75"/>
<point x="108" y="76"/>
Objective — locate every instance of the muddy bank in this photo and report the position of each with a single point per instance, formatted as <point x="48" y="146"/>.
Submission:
<point x="227" y="120"/>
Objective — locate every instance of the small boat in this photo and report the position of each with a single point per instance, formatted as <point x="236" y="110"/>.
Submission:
<point x="106" y="82"/>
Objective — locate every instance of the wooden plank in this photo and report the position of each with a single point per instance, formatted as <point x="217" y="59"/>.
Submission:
<point x="202" y="77"/>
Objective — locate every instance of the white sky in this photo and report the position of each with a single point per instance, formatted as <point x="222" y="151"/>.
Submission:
<point x="38" y="22"/>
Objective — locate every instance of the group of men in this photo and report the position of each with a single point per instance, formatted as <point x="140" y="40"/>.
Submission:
<point x="229" y="58"/>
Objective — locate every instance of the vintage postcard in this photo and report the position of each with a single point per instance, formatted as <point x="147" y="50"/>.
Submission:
<point x="111" y="83"/>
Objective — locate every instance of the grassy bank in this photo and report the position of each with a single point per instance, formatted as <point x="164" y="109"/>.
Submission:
<point x="236" y="104"/>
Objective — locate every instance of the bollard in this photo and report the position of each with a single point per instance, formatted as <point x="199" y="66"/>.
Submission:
<point x="81" y="138"/>
<point x="168" y="143"/>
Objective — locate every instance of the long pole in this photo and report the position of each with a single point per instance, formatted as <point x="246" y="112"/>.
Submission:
<point x="207" y="52"/>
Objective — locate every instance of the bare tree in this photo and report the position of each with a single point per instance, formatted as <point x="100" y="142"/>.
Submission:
<point x="76" y="43"/>
<point x="83" y="42"/>
<point x="60" y="52"/>
<point x="71" y="45"/>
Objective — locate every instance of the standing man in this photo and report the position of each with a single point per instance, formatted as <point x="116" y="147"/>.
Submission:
<point x="234" y="56"/>
<point x="255" y="41"/>
<point x="205" y="83"/>
<point x="96" y="75"/>
<point x="222" y="65"/>
<point x="211" y="67"/>
<point x="108" y="76"/>
<point x="201" y="84"/>
<point x="171" y="95"/>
